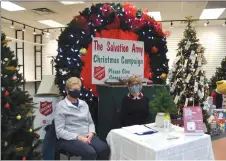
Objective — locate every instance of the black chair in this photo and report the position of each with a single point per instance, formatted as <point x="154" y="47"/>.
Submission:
<point x="69" y="155"/>
<point x="61" y="151"/>
<point x="50" y="147"/>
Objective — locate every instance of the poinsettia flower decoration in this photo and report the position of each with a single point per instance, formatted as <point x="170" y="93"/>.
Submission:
<point x="106" y="9"/>
<point x="96" y="19"/>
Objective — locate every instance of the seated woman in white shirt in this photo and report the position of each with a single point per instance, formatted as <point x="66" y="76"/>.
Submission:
<point x="75" y="128"/>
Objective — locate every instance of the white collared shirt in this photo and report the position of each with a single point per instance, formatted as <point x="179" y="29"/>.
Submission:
<point x="139" y="96"/>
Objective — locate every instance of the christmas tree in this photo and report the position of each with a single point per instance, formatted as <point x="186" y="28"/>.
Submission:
<point x="219" y="75"/>
<point x="18" y="139"/>
<point x="188" y="83"/>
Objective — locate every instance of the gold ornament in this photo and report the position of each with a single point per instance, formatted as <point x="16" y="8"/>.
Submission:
<point x="20" y="149"/>
<point x="163" y="76"/>
<point x="18" y="117"/>
<point x="83" y="51"/>
<point x="5" y="42"/>
<point x="6" y="59"/>
<point x="30" y="130"/>
<point x="11" y="68"/>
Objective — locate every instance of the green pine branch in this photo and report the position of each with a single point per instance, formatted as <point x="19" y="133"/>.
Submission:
<point x="163" y="102"/>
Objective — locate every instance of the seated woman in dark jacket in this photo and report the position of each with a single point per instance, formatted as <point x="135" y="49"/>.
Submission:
<point x="134" y="110"/>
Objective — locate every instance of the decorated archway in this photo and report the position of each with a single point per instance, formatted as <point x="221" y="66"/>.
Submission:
<point x="109" y="20"/>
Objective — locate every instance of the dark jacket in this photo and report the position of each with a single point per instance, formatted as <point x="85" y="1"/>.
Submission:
<point x="219" y="100"/>
<point x="50" y="143"/>
<point x="134" y="111"/>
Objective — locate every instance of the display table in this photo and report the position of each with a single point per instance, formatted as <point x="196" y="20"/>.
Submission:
<point x="128" y="146"/>
<point x="110" y="98"/>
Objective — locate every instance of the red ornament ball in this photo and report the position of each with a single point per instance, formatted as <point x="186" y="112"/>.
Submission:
<point x="7" y="106"/>
<point x="213" y="94"/>
<point x="14" y="77"/>
<point x="154" y="50"/>
<point x="24" y="158"/>
<point x="6" y="93"/>
<point x="37" y="136"/>
<point x="151" y="74"/>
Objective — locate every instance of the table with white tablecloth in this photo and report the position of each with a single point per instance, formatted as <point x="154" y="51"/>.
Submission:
<point x="126" y="145"/>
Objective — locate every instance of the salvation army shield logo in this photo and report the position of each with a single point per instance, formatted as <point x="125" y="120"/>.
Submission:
<point x="46" y="108"/>
<point x="99" y="72"/>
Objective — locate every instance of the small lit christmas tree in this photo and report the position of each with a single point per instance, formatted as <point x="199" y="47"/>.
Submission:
<point x="188" y="83"/>
<point x="18" y="139"/>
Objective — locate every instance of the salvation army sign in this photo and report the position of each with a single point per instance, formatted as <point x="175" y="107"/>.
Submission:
<point x="114" y="59"/>
<point x="46" y="108"/>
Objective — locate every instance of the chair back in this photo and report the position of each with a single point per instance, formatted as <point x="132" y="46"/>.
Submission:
<point x="50" y="143"/>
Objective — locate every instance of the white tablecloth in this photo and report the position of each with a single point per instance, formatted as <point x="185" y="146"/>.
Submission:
<point x="128" y="146"/>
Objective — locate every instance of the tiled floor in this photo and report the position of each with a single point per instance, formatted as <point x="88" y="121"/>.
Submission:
<point x="219" y="149"/>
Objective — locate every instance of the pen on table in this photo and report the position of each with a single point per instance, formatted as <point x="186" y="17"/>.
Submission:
<point x="146" y="133"/>
<point x="150" y="128"/>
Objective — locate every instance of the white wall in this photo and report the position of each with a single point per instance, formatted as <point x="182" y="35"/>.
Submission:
<point x="49" y="49"/>
<point x="212" y="38"/>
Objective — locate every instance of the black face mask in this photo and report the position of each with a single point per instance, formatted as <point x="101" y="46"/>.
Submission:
<point x="74" y="93"/>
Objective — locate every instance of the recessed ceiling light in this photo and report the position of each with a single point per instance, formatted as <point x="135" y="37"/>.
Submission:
<point x="51" y="23"/>
<point x="11" y="6"/>
<point x="213" y="13"/>
<point x="72" y="2"/>
<point x="155" y="15"/>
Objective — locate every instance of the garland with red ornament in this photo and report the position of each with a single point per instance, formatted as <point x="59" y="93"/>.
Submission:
<point x="109" y="20"/>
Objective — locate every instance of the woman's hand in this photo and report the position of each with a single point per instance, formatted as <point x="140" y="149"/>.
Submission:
<point x="83" y="139"/>
<point x="90" y="136"/>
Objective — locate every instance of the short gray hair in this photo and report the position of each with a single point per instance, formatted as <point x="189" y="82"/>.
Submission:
<point x="134" y="78"/>
<point x="73" y="80"/>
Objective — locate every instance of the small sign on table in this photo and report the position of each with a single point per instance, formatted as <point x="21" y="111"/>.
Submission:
<point x="193" y="120"/>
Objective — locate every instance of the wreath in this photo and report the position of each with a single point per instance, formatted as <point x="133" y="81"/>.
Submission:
<point x="108" y="20"/>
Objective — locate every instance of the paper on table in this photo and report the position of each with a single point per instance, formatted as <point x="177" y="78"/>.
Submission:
<point x="163" y="140"/>
<point x="137" y="129"/>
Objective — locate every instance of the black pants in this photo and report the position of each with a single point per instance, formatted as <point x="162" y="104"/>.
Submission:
<point x="96" y="150"/>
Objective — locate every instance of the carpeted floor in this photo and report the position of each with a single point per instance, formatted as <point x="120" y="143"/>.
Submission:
<point x="219" y="148"/>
